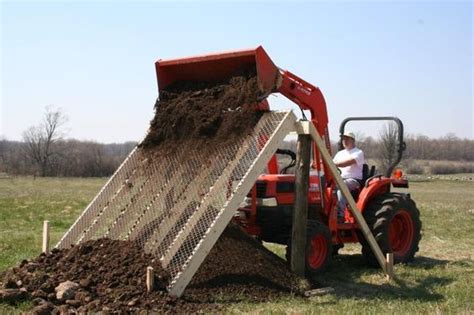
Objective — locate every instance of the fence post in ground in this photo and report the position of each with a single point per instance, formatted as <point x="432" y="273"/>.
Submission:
<point x="45" y="248"/>
<point x="300" y="212"/>
<point x="390" y="266"/>
<point x="150" y="279"/>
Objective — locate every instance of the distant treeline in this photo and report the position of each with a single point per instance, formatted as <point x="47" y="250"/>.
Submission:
<point x="92" y="159"/>
<point x="448" y="148"/>
<point x="423" y="155"/>
<point x="445" y="155"/>
<point x="68" y="158"/>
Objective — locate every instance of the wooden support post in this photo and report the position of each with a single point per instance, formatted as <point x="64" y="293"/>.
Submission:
<point x="307" y="127"/>
<point x="390" y="266"/>
<point x="46" y="237"/>
<point x="150" y="279"/>
<point x="300" y="212"/>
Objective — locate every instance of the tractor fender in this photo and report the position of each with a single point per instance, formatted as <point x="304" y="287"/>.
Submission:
<point x="375" y="187"/>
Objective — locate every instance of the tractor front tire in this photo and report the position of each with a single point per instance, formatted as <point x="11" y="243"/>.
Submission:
<point x="395" y="223"/>
<point x="318" y="248"/>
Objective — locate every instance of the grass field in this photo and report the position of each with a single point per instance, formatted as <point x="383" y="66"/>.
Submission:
<point x="439" y="281"/>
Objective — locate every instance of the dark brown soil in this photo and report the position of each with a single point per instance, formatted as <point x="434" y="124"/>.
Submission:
<point x="111" y="276"/>
<point x="205" y="114"/>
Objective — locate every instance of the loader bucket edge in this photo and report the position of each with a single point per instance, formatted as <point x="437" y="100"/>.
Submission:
<point x="218" y="67"/>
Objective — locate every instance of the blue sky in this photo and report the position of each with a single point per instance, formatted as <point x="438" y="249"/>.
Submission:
<point x="95" y="59"/>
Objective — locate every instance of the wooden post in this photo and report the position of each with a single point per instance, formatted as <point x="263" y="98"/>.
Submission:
<point x="300" y="212"/>
<point x="319" y="292"/>
<point x="390" y="266"/>
<point x="150" y="279"/>
<point x="46" y="237"/>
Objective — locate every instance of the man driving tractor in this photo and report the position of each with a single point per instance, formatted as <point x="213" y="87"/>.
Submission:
<point x="350" y="162"/>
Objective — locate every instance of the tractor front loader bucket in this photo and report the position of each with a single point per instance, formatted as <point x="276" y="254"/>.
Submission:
<point x="218" y="67"/>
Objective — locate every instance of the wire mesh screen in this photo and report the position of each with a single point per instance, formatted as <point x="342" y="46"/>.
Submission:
<point x="176" y="207"/>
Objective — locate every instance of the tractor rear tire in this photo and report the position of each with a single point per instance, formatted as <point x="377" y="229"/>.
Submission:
<point x="395" y="223"/>
<point x="318" y="248"/>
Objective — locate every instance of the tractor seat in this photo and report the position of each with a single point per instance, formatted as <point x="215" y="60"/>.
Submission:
<point x="366" y="174"/>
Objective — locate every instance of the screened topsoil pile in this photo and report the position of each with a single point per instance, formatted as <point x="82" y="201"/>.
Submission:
<point x="204" y="114"/>
<point x="110" y="276"/>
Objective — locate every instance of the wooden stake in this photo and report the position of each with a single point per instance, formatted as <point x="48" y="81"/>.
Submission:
<point x="150" y="279"/>
<point x="390" y="266"/>
<point x="300" y="212"/>
<point x="319" y="292"/>
<point x="46" y="237"/>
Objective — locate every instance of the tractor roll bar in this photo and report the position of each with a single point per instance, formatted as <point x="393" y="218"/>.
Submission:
<point x="401" y="143"/>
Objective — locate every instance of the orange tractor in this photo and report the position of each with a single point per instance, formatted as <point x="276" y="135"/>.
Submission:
<point x="267" y="212"/>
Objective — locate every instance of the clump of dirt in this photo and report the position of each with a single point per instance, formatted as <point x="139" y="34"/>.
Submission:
<point x="205" y="113"/>
<point x="111" y="277"/>
<point x="239" y="268"/>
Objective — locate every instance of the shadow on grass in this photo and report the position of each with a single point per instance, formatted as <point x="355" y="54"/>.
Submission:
<point x="235" y="288"/>
<point x="428" y="262"/>
<point x="347" y="272"/>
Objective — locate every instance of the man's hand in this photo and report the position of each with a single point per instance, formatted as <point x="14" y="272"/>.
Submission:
<point x="346" y="163"/>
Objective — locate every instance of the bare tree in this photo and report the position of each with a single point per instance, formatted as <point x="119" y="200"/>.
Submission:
<point x="388" y="145"/>
<point x="3" y="152"/>
<point x="40" y="140"/>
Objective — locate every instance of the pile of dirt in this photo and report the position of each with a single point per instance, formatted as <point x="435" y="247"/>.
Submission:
<point x="205" y="113"/>
<point x="110" y="276"/>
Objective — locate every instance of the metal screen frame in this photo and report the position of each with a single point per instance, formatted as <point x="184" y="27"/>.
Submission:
<point x="176" y="206"/>
<point x="287" y="125"/>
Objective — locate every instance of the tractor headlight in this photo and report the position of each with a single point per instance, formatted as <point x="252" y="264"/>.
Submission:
<point x="263" y="202"/>
<point x="267" y="202"/>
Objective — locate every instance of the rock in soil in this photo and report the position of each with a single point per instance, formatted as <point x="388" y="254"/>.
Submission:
<point x="66" y="290"/>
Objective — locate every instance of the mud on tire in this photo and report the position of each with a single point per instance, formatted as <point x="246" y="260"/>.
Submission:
<point x="318" y="248"/>
<point x="395" y="222"/>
